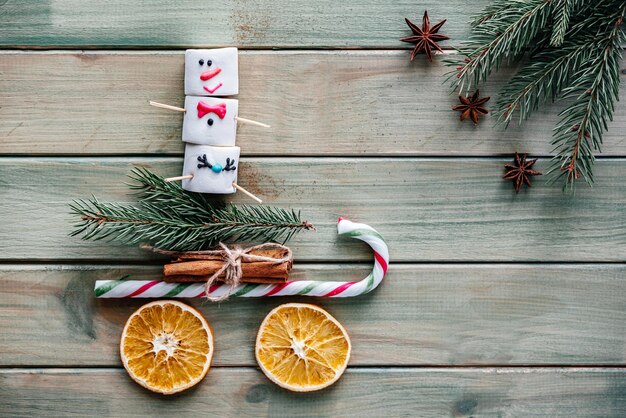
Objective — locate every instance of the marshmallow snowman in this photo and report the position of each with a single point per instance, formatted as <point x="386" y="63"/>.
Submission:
<point x="214" y="169"/>
<point x="210" y="121"/>
<point x="211" y="72"/>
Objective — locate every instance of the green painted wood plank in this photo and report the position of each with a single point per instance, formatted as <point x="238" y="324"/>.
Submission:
<point x="427" y="209"/>
<point x="245" y="392"/>
<point x="250" y="24"/>
<point x="318" y="103"/>
<point x="478" y="314"/>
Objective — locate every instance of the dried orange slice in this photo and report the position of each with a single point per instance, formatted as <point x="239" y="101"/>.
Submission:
<point x="167" y="346"/>
<point x="302" y="348"/>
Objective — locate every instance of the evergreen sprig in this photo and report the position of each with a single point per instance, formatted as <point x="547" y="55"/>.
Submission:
<point x="573" y="50"/>
<point x="595" y="89"/>
<point x="170" y="217"/>
<point x="562" y="15"/>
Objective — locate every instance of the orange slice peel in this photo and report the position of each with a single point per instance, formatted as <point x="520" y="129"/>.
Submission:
<point x="302" y="348"/>
<point x="166" y="346"/>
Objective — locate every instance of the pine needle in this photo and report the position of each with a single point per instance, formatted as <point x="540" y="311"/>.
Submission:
<point x="172" y="218"/>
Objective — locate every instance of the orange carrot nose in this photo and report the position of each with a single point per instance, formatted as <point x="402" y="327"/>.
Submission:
<point x="207" y="75"/>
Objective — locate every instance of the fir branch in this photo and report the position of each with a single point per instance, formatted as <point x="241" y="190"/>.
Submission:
<point x="563" y="9"/>
<point x="493" y="11"/>
<point x="540" y="80"/>
<point x="574" y="49"/>
<point x="150" y="187"/>
<point x="564" y="12"/>
<point x="172" y="218"/>
<point x="500" y="37"/>
<point x="595" y="88"/>
<point x="551" y="69"/>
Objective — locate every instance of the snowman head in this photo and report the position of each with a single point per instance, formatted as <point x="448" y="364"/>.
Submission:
<point x="211" y="72"/>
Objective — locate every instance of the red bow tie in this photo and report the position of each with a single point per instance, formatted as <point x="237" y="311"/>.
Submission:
<point x="204" y="108"/>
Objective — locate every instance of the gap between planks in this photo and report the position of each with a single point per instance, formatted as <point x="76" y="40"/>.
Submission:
<point x="72" y="264"/>
<point x="292" y="158"/>
<point x="353" y="369"/>
<point x="371" y="156"/>
<point x="246" y="51"/>
<point x="501" y="368"/>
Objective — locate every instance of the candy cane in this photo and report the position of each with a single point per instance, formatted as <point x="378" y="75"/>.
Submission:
<point x="325" y="289"/>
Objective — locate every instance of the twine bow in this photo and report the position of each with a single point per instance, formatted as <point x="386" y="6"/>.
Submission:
<point x="231" y="268"/>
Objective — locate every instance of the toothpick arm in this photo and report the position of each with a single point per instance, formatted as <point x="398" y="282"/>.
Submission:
<point x="165" y="106"/>
<point x="235" y="185"/>
<point x="247" y="193"/>
<point x="179" y="178"/>
<point x="251" y="122"/>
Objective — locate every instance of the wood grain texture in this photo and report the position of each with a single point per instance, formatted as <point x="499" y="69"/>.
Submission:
<point x="421" y="315"/>
<point x="86" y="114"/>
<point x="245" y="392"/>
<point x="427" y="209"/>
<point x="210" y="23"/>
<point x="318" y="103"/>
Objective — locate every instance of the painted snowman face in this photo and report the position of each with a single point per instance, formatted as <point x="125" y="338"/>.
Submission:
<point x="211" y="72"/>
<point x="210" y="121"/>
<point x="214" y="169"/>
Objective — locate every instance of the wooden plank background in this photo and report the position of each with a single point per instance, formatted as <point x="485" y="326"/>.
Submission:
<point x="245" y="392"/>
<point x="428" y="209"/>
<point x="439" y="314"/>
<point x="250" y="24"/>
<point x="497" y="305"/>
<point x="340" y="103"/>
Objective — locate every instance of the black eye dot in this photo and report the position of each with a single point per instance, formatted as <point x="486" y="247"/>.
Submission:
<point x="209" y="62"/>
<point x="210" y="122"/>
<point x="201" y="62"/>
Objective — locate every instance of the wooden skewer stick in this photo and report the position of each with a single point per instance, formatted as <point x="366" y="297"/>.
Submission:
<point x="251" y="122"/>
<point x="179" y="178"/>
<point x="165" y="106"/>
<point x="235" y="185"/>
<point x="180" y="109"/>
<point x="247" y="193"/>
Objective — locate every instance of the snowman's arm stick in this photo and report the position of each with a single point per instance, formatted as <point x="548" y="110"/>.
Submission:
<point x="251" y="122"/>
<point x="247" y="193"/>
<point x="235" y="185"/>
<point x="165" y="106"/>
<point x="179" y="178"/>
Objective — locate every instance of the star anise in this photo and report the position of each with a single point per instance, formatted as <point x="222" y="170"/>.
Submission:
<point x="426" y="38"/>
<point x="472" y="106"/>
<point x="520" y="171"/>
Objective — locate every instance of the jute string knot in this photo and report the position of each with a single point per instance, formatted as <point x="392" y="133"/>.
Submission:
<point x="232" y="266"/>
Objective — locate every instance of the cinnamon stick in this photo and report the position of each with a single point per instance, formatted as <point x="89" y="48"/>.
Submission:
<point x="200" y="266"/>
<point x="198" y="255"/>
<point x="259" y="269"/>
<point x="189" y="279"/>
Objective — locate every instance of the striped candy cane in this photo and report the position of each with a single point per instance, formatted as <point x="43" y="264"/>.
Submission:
<point x="325" y="289"/>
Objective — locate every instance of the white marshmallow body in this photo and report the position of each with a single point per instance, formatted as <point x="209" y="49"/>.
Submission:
<point x="206" y="179"/>
<point x="225" y="83"/>
<point x="210" y="129"/>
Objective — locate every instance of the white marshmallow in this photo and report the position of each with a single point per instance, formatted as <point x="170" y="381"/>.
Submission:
<point x="221" y="78"/>
<point x="206" y="127"/>
<point x="214" y="179"/>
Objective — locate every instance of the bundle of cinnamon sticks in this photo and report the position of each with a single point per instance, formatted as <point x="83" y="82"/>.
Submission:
<point x="200" y="266"/>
